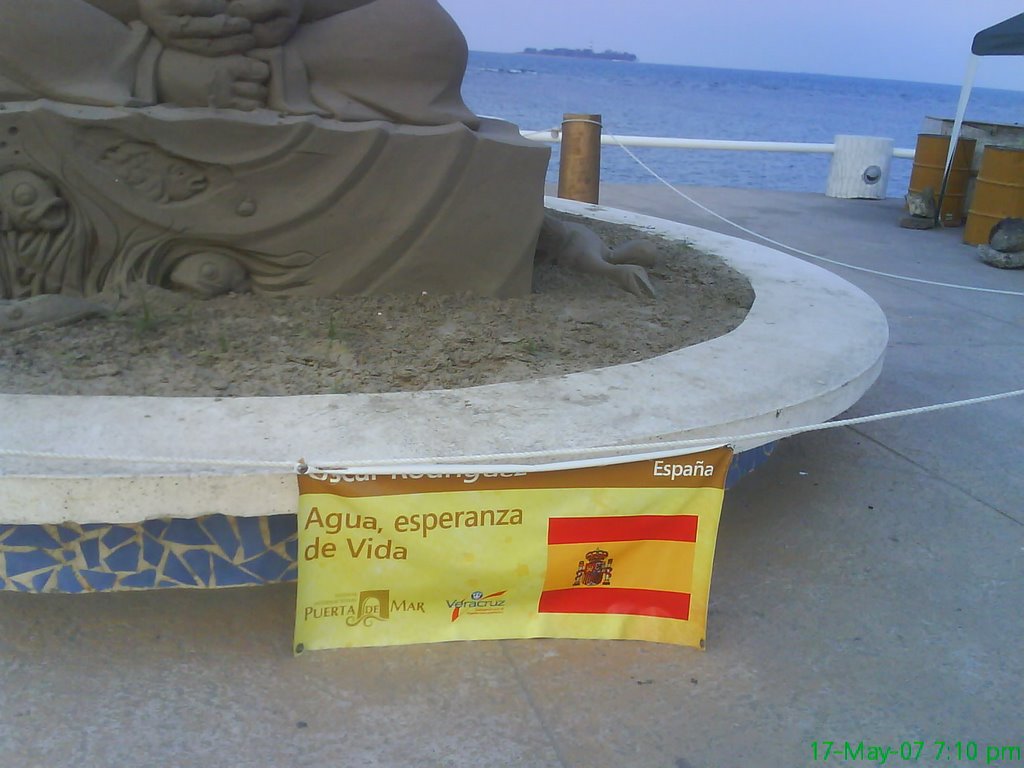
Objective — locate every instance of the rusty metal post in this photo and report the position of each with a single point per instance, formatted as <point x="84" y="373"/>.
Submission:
<point x="579" y="173"/>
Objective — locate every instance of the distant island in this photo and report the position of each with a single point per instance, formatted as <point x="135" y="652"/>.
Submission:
<point x="582" y="53"/>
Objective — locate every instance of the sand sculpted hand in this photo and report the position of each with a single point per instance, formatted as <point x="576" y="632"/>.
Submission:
<point x="273" y="21"/>
<point x="224" y="82"/>
<point x="204" y="27"/>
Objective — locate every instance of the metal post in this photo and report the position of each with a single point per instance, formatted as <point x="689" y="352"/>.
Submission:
<point x="579" y="173"/>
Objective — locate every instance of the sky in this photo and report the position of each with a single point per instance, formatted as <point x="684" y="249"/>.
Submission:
<point x="918" y="40"/>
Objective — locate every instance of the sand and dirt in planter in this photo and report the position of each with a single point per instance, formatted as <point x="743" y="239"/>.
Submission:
<point x="162" y="343"/>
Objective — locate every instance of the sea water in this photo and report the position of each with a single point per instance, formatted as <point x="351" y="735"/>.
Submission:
<point x="705" y="103"/>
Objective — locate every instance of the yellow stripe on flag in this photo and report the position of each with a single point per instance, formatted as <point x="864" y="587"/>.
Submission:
<point x="658" y="565"/>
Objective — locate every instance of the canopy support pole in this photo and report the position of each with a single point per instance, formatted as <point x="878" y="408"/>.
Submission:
<point x="961" y="110"/>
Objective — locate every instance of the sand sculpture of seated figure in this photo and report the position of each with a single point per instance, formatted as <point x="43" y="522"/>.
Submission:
<point x="322" y="148"/>
<point x="354" y="60"/>
<point x="420" y="195"/>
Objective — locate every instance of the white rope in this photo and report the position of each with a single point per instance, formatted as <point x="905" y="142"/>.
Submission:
<point x="808" y="254"/>
<point x="659" y="448"/>
<point x="583" y="120"/>
<point x="424" y="464"/>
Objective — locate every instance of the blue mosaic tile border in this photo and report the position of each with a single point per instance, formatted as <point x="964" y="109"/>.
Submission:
<point x="213" y="551"/>
<point x="200" y="553"/>
<point x="745" y="463"/>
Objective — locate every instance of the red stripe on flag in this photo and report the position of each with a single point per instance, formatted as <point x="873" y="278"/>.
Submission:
<point x="632" y="602"/>
<point x="597" y="530"/>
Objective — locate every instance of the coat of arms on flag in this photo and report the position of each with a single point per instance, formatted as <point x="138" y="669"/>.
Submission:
<point x="596" y="570"/>
<point x="650" y="556"/>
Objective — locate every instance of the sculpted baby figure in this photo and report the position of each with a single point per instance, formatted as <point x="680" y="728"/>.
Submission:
<point x="396" y="60"/>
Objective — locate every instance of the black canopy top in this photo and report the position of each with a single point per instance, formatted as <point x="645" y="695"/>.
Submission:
<point x="1003" y="39"/>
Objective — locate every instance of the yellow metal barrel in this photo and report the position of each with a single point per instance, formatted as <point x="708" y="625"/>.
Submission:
<point x="929" y="165"/>
<point x="998" y="193"/>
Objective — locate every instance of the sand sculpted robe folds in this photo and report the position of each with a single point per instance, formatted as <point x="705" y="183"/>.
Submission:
<point x="309" y="147"/>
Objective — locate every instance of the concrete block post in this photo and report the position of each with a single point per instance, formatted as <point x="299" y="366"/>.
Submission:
<point x="860" y="168"/>
<point x="579" y="173"/>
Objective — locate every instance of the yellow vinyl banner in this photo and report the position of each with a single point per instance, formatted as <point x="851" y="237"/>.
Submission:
<point x="616" y="552"/>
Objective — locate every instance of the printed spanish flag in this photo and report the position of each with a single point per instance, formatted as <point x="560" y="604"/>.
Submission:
<point x="653" y="555"/>
<point x="617" y="552"/>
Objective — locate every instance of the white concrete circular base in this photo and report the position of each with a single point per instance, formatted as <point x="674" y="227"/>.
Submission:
<point x="810" y="347"/>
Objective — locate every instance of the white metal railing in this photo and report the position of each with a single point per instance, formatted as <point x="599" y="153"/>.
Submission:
<point x="554" y="136"/>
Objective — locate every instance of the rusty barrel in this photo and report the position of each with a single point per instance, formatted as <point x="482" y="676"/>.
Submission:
<point x="998" y="192"/>
<point x="929" y="165"/>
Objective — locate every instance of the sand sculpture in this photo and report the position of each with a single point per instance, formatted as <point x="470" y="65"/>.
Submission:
<point x="577" y="247"/>
<point x="293" y="147"/>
